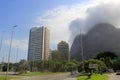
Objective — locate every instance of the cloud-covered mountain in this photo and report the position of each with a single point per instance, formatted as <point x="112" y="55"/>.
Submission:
<point x="102" y="37"/>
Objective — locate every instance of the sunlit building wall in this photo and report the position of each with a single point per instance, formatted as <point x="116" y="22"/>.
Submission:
<point x="39" y="41"/>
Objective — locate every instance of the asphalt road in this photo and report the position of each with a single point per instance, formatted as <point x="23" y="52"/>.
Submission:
<point x="114" y="77"/>
<point x="64" y="76"/>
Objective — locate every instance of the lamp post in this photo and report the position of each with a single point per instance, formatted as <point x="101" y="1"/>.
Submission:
<point x="82" y="54"/>
<point x="2" y="63"/>
<point x="16" y="58"/>
<point x="6" y="78"/>
<point x="1" y="41"/>
<point x="17" y="54"/>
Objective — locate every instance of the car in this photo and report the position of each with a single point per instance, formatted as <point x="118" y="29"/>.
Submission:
<point x="117" y="72"/>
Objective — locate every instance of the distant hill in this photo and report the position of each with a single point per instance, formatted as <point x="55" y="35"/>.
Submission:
<point x="102" y="37"/>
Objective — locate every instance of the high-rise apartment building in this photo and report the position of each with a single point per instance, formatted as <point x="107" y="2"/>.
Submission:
<point x="39" y="40"/>
<point x="63" y="51"/>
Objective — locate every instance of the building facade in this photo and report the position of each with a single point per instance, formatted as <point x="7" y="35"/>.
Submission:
<point x="39" y="40"/>
<point x="63" y="51"/>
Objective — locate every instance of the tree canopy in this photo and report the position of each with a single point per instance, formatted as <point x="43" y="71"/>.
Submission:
<point x="104" y="55"/>
<point x="116" y="64"/>
<point x="101" y="65"/>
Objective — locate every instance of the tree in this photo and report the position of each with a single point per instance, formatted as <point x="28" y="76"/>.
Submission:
<point x="4" y="67"/>
<point x="23" y="66"/>
<point x="107" y="58"/>
<point x="116" y="64"/>
<point x="108" y="62"/>
<point x="52" y="65"/>
<point x="101" y="65"/>
<point x="72" y="66"/>
<point x="105" y="55"/>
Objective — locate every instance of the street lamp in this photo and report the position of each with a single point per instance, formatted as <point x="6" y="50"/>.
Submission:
<point x="16" y="59"/>
<point x="6" y="78"/>
<point x="82" y="54"/>
<point x="1" y="41"/>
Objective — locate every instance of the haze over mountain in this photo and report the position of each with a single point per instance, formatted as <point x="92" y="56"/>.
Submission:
<point x="102" y="37"/>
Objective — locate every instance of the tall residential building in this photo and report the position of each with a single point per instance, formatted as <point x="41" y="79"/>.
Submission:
<point x="63" y="51"/>
<point x="39" y="41"/>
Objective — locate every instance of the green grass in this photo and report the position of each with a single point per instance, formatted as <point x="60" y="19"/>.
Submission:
<point x="27" y="74"/>
<point x="39" y="73"/>
<point x="2" y="77"/>
<point x="94" y="77"/>
<point x="9" y="78"/>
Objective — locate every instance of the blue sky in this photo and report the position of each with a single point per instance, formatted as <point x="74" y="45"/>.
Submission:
<point x="23" y="13"/>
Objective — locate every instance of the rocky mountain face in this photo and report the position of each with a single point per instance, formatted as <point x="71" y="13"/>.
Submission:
<point x="102" y="37"/>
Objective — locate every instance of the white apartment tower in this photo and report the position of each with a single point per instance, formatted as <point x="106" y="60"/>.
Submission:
<point x="39" y="40"/>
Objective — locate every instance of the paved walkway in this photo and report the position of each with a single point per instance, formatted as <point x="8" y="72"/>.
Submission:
<point x="71" y="79"/>
<point x="114" y="77"/>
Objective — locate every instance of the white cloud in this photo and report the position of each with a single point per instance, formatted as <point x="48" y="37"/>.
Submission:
<point x="59" y="19"/>
<point x="22" y="44"/>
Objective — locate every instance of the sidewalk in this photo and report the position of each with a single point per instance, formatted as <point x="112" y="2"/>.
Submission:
<point x="113" y="76"/>
<point x="73" y="77"/>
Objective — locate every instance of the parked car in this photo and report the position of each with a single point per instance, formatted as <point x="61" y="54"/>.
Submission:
<point x="117" y="72"/>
